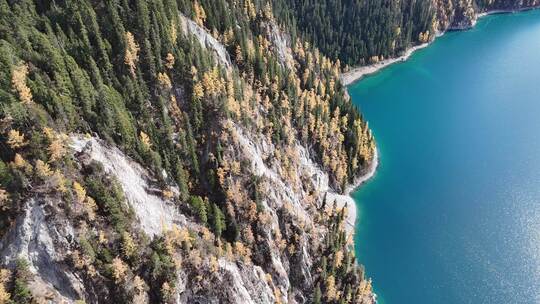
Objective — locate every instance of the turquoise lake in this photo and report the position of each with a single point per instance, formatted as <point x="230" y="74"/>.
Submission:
<point x="453" y="212"/>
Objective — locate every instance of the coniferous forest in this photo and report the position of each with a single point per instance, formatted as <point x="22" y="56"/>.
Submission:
<point x="179" y="87"/>
<point x="363" y="32"/>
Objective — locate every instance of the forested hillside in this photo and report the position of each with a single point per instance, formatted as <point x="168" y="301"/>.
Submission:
<point x="172" y="151"/>
<point x="363" y="32"/>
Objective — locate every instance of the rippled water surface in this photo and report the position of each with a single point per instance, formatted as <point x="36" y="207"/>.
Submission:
<point x="453" y="213"/>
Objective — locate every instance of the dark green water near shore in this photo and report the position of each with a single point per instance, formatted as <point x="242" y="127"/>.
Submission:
<point x="453" y="213"/>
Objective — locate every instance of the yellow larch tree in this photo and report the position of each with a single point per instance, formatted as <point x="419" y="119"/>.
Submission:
<point x="4" y="198"/>
<point x="119" y="269"/>
<point x="56" y="150"/>
<point x="338" y="258"/>
<point x="20" y="163"/>
<point x="198" y="91"/>
<point x="164" y="81"/>
<point x="131" y="56"/>
<point x="128" y="245"/>
<point x="195" y="258"/>
<point x="331" y="291"/>
<point x="169" y="61"/>
<point x="213" y="264"/>
<point x="18" y="80"/>
<point x="199" y="15"/>
<point x="174" y="32"/>
<point x="80" y="192"/>
<point x="212" y="83"/>
<point x="138" y="284"/>
<point x="145" y="140"/>
<point x="16" y="139"/>
<point x="5" y="276"/>
<point x="90" y="208"/>
<point x="166" y="290"/>
<point x="59" y="181"/>
<point x="249" y="9"/>
<point x="168" y="194"/>
<point x="56" y="147"/>
<point x="42" y="169"/>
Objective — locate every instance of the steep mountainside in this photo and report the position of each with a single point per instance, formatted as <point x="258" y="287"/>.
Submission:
<point x="172" y="151"/>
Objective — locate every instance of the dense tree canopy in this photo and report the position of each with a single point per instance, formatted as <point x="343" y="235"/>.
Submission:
<point x="364" y="31"/>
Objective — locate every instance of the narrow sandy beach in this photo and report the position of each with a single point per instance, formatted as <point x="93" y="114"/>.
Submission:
<point x="346" y="199"/>
<point x="358" y="73"/>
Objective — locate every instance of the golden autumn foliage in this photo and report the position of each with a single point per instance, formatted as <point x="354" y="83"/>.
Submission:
<point x="228" y="37"/>
<point x="42" y="169"/>
<point x="102" y="237"/>
<point x="4" y="198"/>
<point x="139" y="285"/>
<point x="207" y="235"/>
<point x="90" y="207"/>
<point x="119" y="269"/>
<point x="423" y="37"/>
<point x="174" y="32"/>
<point x="199" y="15"/>
<point x="166" y="290"/>
<point x="277" y="295"/>
<point x="77" y="259"/>
<point x="128" y="245"/>
<point x="176" y="237"/>
<point x="16" y="139"/>
<point x="5" y="275"/>
<point x="174" y="109"/>
<point x="56" y="148"/>
<point x="167" y="194"/>
<point x="212" y="83"/>
<point x="331" y="291"/>
<point x="59" y="182"/>
<point x="364" y="288"/>
<point x="238" y="55"/>
<point x="131" y="55"/>
<point x="250" y="99"/>
<point x="145" y="140"/>
<point x="249" y="9"/>
<point x="338" y="258"/>
<point x="213" y="263"/>
<point x="18" y="80"/>
<point x="164" y="81"/>
<point x="80" y="192"/>
<point x="19" y="161"/>
<point x="169" y="61"/>
<point x="5" y="296"/>
<point x="242" y="251"/>
<point x="198" y="91"/>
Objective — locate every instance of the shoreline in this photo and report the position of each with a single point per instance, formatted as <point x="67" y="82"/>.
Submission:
<point x="506" y="11"/>
<point x="346" y="199"/>
<point x="359" y="72"/>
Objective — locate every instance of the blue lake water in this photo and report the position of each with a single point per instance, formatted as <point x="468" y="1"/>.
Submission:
<point x="453" y="213"/>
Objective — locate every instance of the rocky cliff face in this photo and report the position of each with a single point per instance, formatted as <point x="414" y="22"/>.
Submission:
<point x="45" y="238"/>
<point x="466" y="13"/>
